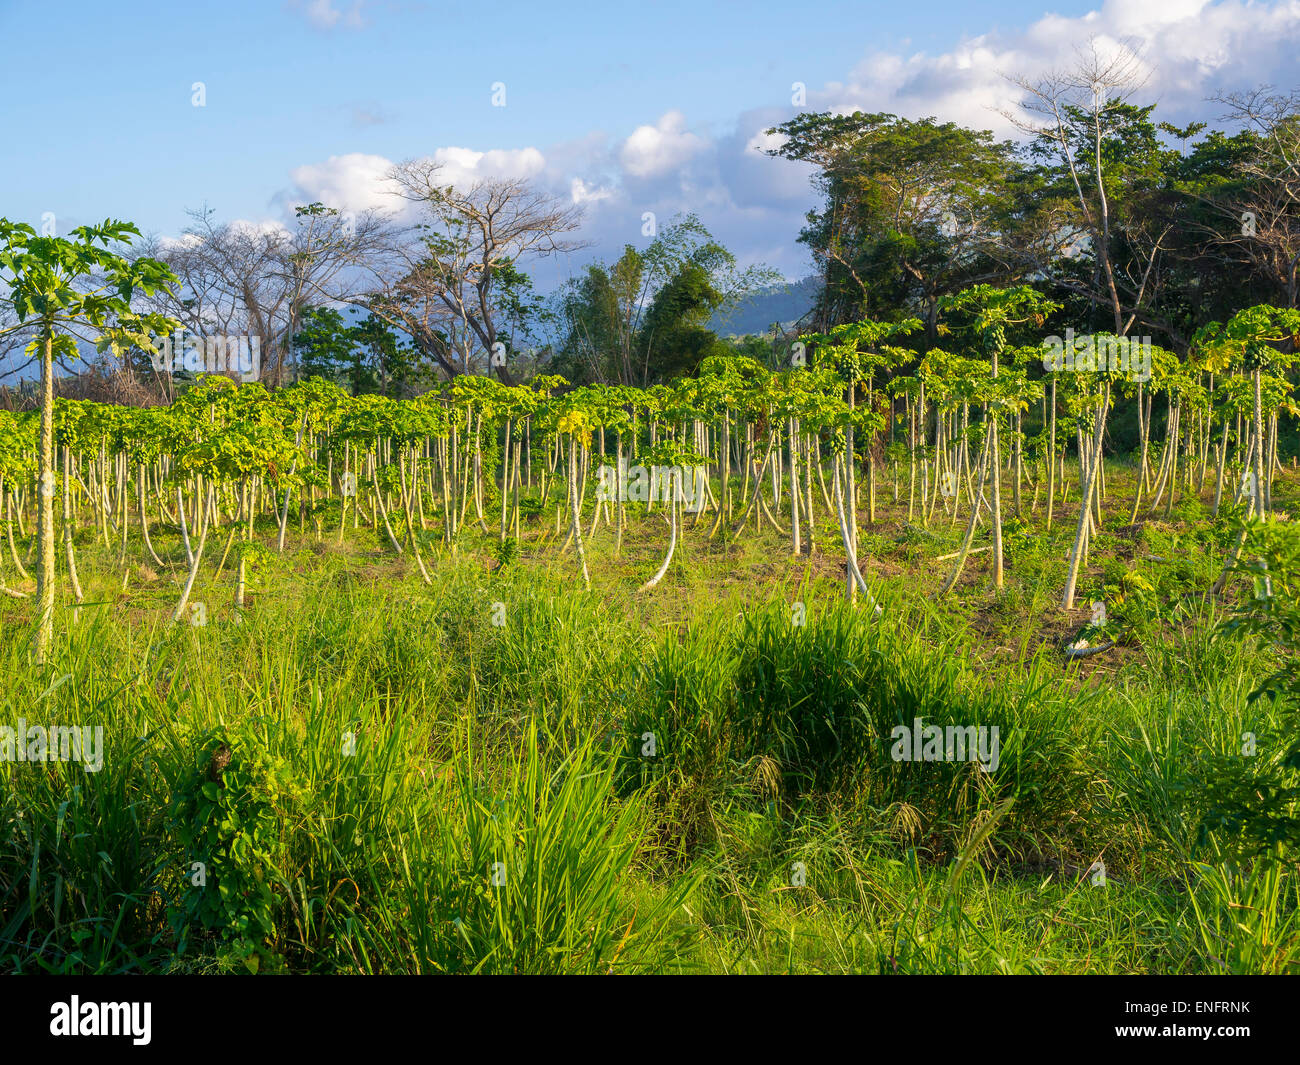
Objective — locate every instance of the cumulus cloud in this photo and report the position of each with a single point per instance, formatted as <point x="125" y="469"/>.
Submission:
<point x="1186" y="49"/>
<point x="464" y="166"/>
<point x="359" y="182"/>
<point x="580" y="193"/>
<point x="352" y="182"/>
<point x="654" y="150"/>
<point x="670" y="164"/>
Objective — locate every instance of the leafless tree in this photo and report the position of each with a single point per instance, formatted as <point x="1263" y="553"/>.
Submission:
<point x="1061" y="109"/>
<point x="442" y="284"/>
<point x="238" y="279"/>
<point x="1263" y="223"/>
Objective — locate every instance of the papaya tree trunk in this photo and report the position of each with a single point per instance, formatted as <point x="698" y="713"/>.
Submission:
<point x="45" y="503"/>
<point x="1085" y="506"/>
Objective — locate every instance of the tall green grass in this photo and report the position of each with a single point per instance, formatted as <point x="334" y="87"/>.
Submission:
<point x="376" y="776"/>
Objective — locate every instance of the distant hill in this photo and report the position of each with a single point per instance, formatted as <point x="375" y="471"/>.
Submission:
<point x="784" y="303"/>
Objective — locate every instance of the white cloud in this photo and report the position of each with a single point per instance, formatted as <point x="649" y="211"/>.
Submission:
<point x="185" y="240"/>
<point x="359" y="182"/>
<point x="325" y="16"/>
<point x="762" y="141"/>
<point x="1188" y="49"/>
<point x="581" y="194"/>
<point x="352" y="182"/>
<point x="464" y="166"/>
<point x="756" y="204"/>
<point x="267" y="227"/>
<point x="657" y="149"/>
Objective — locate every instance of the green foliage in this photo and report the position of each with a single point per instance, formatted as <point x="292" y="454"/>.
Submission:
<point x="641" y="320"/>
<point x="365" y="356"/>
<point x="1253" y="793"/>
<point x="523" y="874"/>
<point x="909" y="207"/>
<point x="478" y="744"/>
<point x="230" y="810"/>
<point x="50" y="286"/>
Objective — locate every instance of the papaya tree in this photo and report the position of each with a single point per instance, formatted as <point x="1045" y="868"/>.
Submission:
<point x="1257" y="339"/>
<point x="68" y="292"/>
<point x="987" y="313"/>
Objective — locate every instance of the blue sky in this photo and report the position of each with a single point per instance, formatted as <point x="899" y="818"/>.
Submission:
<point x="623" y="108"/>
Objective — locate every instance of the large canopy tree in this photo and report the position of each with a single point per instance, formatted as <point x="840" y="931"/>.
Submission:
<point x="913" y="211"/>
